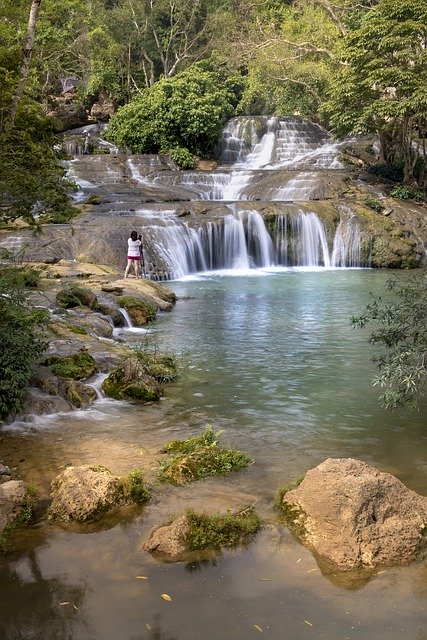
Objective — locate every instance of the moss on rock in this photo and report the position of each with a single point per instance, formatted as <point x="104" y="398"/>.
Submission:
<point x="129" y="381"/>
<point x="140" y="311"/>
<point x="74" y="296"/>
<point x="76" y="366"/>
<point x="218" y="531"/>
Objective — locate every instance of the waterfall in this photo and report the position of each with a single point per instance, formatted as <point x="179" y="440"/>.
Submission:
<point x="301" y="241"/>
<point x="346" y="251"/>
<point x="240" y="241"/>
<point x="127" y="325"/>
<point x="263" y="142"/>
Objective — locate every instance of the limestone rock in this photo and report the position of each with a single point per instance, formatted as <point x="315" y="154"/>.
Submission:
<point x="170" y="540"/>
<point x="12" y="497"/>
<point x="84" y="493"/>
<point x="355" y="516"/>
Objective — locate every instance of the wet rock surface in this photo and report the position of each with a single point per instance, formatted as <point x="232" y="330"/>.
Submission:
<point x="84" y="493"/>
<point x="355" y="516"/>
<point x="12" y="497"/>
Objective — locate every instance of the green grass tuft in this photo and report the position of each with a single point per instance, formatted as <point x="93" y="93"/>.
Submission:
<point x="199" y="457"/>
<point x="133" y="487"/>
<point x="214" y="532"/>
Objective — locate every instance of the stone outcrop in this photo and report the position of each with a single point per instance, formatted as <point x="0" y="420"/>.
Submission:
<point x="84" y="493"/>
<point x="12" y="500"/>
<point x="354" y="516"/>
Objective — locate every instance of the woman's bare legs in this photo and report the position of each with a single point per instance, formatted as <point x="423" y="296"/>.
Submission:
<point x="128" y="267"/>
<point x="135" y="266"/>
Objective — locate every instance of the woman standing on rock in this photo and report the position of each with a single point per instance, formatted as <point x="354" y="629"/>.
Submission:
<point x="134" y="254"/>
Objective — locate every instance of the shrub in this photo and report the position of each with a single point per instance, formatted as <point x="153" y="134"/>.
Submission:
<point x="393" y="171"/>
<point x="182" y="157"/>
<point x="408" y="193"/>
<point x="22" y="341"/>
<point x="187" y="112"/>
<point x="373" y="204"/>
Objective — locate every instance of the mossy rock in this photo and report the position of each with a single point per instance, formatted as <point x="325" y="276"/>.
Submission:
<point x="76" y="366"/>
<point x="111" y="312"/>
<point x="162" y="367"/>
<point x="75" y="296"/>
<point x="142" y="388"/>
<point x="218" y="531"/>
<point x="140" y="311"/>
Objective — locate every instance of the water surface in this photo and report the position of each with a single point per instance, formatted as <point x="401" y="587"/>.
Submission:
<point x="271" y="359"/>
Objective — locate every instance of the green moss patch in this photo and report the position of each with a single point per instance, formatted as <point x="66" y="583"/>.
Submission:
<point x="75" y="296"/>
<point x="76" y="366"/>
<point x="215" y="532"/>
<point x="162" y="367"/>
<point x="143" y="388"/>
<point x="199" y="457"/>
<point x="282" y="491"/>
<point x="139" y="310"/>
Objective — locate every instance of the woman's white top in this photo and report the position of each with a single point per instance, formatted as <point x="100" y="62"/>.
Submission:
<point x="134" y="248"/>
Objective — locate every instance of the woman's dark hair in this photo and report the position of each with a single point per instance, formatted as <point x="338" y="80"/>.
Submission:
<point x="133" y="235"/>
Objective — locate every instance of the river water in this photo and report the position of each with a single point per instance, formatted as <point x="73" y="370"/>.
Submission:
<point x="271" y="359"/>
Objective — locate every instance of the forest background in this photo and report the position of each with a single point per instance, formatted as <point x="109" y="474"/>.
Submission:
<point x="176" y="71"/>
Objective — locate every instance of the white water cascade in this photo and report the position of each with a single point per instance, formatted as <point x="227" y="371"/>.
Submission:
<point x="252" y="211"/>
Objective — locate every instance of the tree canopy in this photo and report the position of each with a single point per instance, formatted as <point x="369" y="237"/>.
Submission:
<point x="187" y="111"/>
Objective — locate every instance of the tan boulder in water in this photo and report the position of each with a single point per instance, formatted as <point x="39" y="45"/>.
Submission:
<point x="355" y="516"/>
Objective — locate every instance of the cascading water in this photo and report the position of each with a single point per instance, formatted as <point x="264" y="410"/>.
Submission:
<point x="266" y="160"/>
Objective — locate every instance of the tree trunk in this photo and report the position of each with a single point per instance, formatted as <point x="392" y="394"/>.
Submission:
<point x="27" y="51"/>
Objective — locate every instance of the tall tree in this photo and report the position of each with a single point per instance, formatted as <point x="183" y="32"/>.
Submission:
<point x="27" y="52"/>
<point x="383" y="88"/>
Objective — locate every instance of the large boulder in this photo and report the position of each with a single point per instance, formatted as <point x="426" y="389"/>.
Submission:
<point x="13" y="496"/>
<point x="84" y="493"/>
<point x="354" y="516"/>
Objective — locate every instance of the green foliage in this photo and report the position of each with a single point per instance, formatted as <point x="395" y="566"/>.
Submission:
<point x="133" y="487"/>
<point x="22" y="342"/>
<point x="77" y="366"/>
<point x="392" y="171"/>
<point x="187" y="111"/>
<point x="408" y="193"/>
<point x="198" y="458"/>
<point x="402" y="335"/>
<point x="373" y="204"/>
<point x="382" y="87"/>
<point x="182" y="157"/>
<point x="215" y="532"/>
